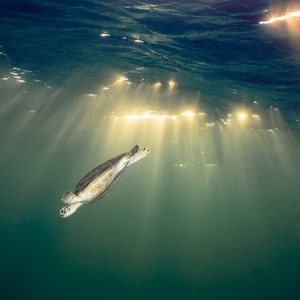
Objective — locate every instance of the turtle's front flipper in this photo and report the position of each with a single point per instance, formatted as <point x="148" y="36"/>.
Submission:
<point x="70" y="198"/>
<point x="133" y="150"/>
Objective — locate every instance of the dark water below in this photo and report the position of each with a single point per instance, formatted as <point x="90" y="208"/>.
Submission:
<point x="213" y="211"/>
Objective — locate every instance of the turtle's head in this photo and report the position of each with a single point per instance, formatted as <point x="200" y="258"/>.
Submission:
<point x="69" y="209"/>
<point x="143" y="152"/>
<point x="139" y="154"/>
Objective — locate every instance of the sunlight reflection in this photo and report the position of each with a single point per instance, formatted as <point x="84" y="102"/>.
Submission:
<point x="146" y="116"/>
<point x="160" y="116"/>
<point x="172" y="84"/>
<point x="122" y="79"/>
<point x="188" y="114"/>
<point x="104" y="34"/>
<point x="289" y="21"/>
<point x="242" y="116"/>
<point x="287" y="16"/>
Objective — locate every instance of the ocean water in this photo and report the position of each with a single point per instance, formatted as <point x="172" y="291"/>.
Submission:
<point x="212" y="88"/>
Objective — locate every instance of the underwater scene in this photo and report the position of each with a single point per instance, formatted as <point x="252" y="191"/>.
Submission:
<point x="211" y="88"/>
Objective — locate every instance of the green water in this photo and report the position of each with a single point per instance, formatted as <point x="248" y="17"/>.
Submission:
<point x="211" y="213"/>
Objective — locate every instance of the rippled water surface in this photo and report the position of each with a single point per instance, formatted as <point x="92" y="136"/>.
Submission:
<point x="212" y="88"/>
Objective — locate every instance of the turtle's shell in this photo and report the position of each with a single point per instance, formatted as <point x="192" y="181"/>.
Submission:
<point x="93" y="174"/>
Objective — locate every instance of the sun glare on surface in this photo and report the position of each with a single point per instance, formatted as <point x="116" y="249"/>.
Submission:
<point x="172" y="84"/>
<point x="288" y="16"/>
<point x="188" y="114"/>
<point x="148" y="115"/>
<point x="122" y="79"/>
<point x="288" y="21"/>
<point x="242" y="116"/>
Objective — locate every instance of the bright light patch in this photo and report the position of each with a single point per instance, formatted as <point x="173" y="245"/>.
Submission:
<point x="256" y="117"/>
<point x="147" y="116"/>
<point x="242" y="116"/>
<point x="153" y="115"/>
<point x="188" y="114"/>
<point x="293" y="14"/>
<point x="104" y="34"/>
<point x="91" y="95"/>
<point x="122" y="79"/>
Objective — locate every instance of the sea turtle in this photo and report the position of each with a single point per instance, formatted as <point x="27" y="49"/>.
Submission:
<point x="98" y="182"/>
